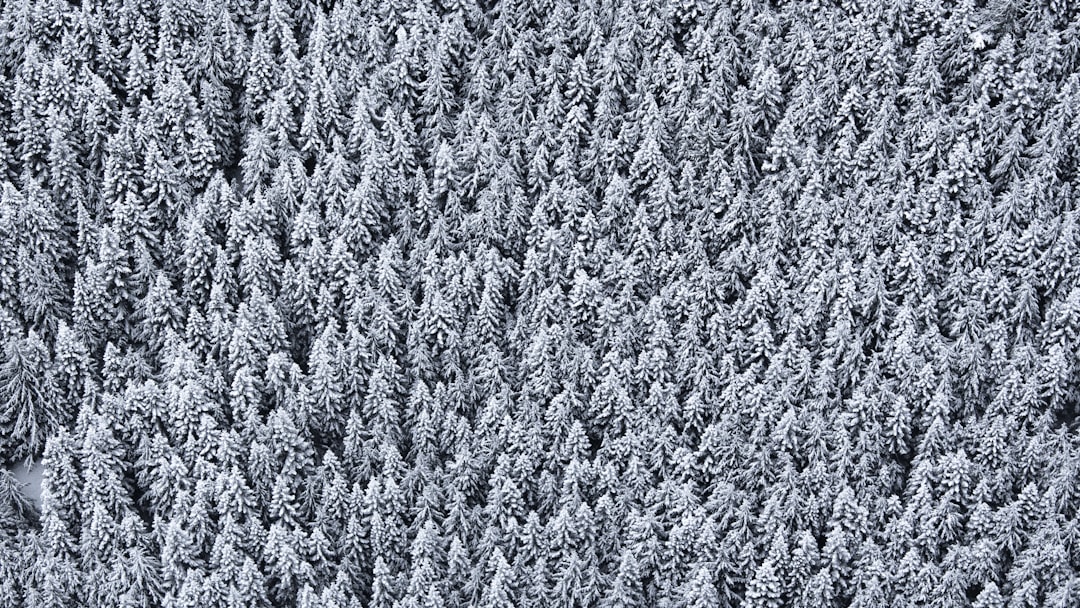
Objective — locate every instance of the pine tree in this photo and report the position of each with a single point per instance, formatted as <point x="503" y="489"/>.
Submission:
<point x="498" y="592"/>
<point x="32" y="408"/>
<point x="764" y="590"/>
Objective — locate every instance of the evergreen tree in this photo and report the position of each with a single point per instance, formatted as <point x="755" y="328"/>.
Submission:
<point x="32" y="407"/>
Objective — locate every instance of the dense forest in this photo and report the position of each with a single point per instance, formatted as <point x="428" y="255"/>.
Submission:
<point x="540" y="303"/>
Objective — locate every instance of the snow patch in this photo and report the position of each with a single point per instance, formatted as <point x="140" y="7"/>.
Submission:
<point x="29" y="476"/>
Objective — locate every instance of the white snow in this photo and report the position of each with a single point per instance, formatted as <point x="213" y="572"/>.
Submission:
<point x="30" y="478"/>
